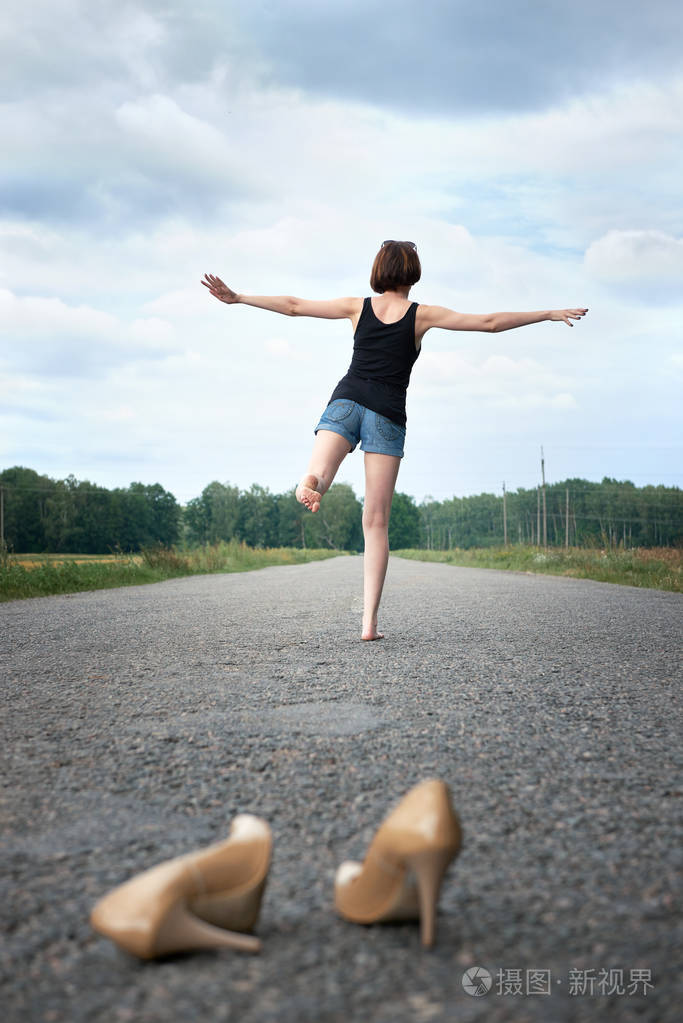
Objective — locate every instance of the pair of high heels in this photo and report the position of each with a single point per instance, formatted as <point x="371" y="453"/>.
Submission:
<point x="209" y="898"/>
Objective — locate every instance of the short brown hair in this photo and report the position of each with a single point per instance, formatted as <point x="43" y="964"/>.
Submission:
<point x="397" y="265"/>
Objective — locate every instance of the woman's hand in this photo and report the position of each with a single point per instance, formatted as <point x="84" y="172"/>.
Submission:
<point x="567" y="315"/>
<point x="220" y="290"/>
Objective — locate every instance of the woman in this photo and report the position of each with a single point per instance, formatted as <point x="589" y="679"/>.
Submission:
<point x="368" y="404"/>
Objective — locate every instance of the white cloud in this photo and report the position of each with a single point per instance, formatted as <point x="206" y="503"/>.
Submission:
<point x="179" y="304"/>
<point x="34" y="316"/>
<point x="117" y="414"/>
<point x="166" y="138"/>
<point x="279" y="346"/>
<point x="48" y="337"/>
<point x="497" y="380"/>
<point x="152" y="333"/>
<point x="61" y="45"/>
<point x="637" y="256"/>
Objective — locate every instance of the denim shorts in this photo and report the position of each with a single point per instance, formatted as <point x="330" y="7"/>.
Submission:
<point x="356" y="423"/>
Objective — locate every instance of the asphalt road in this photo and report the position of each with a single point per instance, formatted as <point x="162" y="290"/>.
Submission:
<point x="137" y="722"/>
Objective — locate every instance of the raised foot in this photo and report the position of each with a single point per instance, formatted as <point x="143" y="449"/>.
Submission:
<point x="307" y="494"/>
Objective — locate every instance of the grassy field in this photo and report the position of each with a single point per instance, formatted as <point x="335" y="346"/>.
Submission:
<point x="38" y="575"/>
<point x="30" y="561"/>
<point x="659" y="568"/>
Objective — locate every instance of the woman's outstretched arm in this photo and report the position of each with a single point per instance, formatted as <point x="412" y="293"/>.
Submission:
<point x="335" y="309"/>
<point x="448" y="319"/>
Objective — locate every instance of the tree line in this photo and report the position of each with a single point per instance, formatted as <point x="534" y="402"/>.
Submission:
<point x="575" y="512"/>
<point x="73" y="516"/>
<point x="40" y="514"/>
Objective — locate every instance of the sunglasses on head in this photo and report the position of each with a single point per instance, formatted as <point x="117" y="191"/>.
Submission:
<point x="391" y="241"/>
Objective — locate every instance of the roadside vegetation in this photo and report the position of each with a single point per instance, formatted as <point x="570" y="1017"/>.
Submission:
<point x="37" y="575"/>
<point x="659" y="568"/>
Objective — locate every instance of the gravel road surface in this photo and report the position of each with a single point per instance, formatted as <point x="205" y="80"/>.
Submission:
<point x="136" y="723"/>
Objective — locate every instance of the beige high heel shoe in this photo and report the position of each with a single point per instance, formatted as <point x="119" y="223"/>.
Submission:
<point x="404" y="866"/>
<point x="194" y="901"/>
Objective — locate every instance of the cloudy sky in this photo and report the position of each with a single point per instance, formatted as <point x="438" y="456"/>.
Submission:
<point x="532" y="150"/>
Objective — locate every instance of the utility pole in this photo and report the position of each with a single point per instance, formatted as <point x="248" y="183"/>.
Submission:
<point x="505" y="516"/>
<point x="538" y="516"/>
<point x="566" y="521"/>
<point x="545" y="515"/>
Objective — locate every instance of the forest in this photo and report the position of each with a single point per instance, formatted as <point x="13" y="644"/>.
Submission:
<point x="43" y="515"/>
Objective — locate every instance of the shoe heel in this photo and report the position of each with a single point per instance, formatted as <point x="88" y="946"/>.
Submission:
<point x="429" y="867"/>
<point x="183" y="930"/>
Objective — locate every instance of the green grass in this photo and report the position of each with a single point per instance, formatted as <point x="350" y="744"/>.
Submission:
<point x="41" y="575"/>
<point x="658" y="568"/>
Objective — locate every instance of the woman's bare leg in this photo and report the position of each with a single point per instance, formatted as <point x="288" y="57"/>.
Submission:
<point x="380" y="479"/>
<point x="329" y="451"/>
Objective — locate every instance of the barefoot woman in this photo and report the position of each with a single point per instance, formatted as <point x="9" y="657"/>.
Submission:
<point x="369" y="403"/>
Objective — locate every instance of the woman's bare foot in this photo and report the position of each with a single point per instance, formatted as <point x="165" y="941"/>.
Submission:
<point x="370" y="632"/>
<point x="307" y="492"/>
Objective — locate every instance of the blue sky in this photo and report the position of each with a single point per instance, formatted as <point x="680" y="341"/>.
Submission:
<point x="533" y="151"/>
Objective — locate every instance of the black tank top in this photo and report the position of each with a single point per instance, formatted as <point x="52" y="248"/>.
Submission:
<point x="383" y="356"/>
